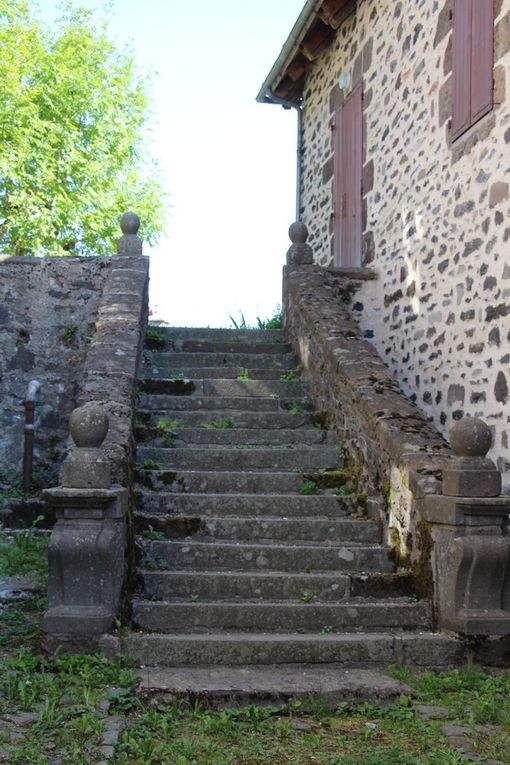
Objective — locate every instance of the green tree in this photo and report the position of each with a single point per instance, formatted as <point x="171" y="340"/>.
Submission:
<point x="73" y="137"/>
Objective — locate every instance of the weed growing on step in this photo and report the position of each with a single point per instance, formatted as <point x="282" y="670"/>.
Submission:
<point x="290" y="376"/>
<point x="275" y="322"/>
<point x="308" y="597"/>
<point x="194" y="598"/>
<point x="149" y="465"/>
<point x="327" y="629"/>
<point x="168" y="429"/>
<point x="154" y="563"/>
<point x="225" y="424"/>
<point x="244" y="375"/>
<point x="309" y="487"/>
<point x="152" y="533"/>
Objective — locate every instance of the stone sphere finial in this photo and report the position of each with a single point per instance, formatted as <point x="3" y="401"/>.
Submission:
<point x="130" y="223"/>
<point x="470" y="437"/>
<point x="88" y="426"/>
<point x="298" y="233"/>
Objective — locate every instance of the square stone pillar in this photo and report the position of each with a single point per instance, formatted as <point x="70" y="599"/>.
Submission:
<point x="86" y="553"/>
<point x="471" y="553"/>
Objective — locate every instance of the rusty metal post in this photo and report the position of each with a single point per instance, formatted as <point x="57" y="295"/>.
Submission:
<point x="28" y="451"/>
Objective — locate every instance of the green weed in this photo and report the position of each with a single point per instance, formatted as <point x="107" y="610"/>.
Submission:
<point x="309" y="487"/>
<point x="225" y="424"/>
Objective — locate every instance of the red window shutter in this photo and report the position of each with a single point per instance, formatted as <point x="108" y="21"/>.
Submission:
<point x="461" y="77"/>
<point x="482" y="57"/>
<point x="473" y="62"/>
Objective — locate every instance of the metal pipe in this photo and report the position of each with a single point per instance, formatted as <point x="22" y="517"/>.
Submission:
<point x="28" y="452"/>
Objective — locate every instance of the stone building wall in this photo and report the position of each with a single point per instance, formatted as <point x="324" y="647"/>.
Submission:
<point x="436" y="214"/>
<point x="48" y="309"/>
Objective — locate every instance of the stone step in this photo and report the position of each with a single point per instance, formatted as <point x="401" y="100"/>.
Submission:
<point x="222" y="334"/>
<point x="220" y="372"/>
<point x="245" y="420"/>
<point x="252" y="529"/>
<point x="222" y="556"/>
<point x="180" y="502"/>
<point x="273" y="585"/>
<point x="235" y="436"/>
<point x="284" y="616"/>
<point x="171" y="404"/>
<point x="259" y="346"/>
<point x="227" y="687"/>
<point x="250" y="458"/>
<point x="422" y="649"/>
<point x="226" y="388"/>
<point x="181" y="361"/>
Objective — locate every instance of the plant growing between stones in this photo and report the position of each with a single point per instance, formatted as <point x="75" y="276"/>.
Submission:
<point x="309" y="487"/>
<point x="244" y="375"/>
<point x="308" y="597"/>
<point x="152" y="533"/>
<point x="168" y="429"/>
<point x="149" y="464"/>
<point x="225" y="424"/>
<point x="69" y="334"/>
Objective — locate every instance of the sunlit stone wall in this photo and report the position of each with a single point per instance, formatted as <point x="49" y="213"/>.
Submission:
<point x="436" y="214"/>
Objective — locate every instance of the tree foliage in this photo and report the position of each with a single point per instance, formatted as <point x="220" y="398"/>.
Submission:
<point x="73" y="148"/>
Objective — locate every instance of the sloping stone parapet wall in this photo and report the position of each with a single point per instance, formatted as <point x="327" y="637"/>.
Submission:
<point x="110" y="370"/>
<point x="396" y="453"/>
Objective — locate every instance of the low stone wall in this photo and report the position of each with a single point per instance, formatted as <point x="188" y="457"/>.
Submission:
<point x="77" y="326"/>
<point x="48" y="310"/>
<point x="396" y="454"/>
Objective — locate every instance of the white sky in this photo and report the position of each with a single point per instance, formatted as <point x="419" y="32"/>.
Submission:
<point x="228" y="162"/>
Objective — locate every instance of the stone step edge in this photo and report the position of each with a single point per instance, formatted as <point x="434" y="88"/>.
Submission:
<point x="213" y="542"/>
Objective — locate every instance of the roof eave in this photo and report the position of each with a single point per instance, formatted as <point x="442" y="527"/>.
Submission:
<point x="289" y="50"/>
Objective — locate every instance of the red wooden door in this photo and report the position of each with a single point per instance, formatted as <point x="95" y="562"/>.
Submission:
<point x="347" y="181"/>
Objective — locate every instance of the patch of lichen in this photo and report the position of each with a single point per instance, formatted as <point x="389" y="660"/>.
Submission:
<point x="329" y="479"/>
<point x="354" y="462"/>
<point x="399" y="558"/>
<point x="421" y="568"/>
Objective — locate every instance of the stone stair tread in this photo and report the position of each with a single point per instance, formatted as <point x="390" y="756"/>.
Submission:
<point x="227" y="403"/>
<point x="222" y="387"/>
<point x="229" y="685"/>
<point x="227" y="555"/>
<point x="271" y="420"/>
<point x="231" y="360"/>
<point x="205" y="333"/>
<point x="228" y="543"/>
<point x="415" y="648"/>
<point x="274" y="585"/>
<point x="215" y="373"/>
<point x="253" y="436"/>
<point x="246" y="489"/>
<point x="188" y="345"/>
<point x="280" y="616"/>
<point x="232" y="458"/>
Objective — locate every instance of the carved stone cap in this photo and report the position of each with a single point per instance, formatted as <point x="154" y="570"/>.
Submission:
<point x="470" y="437"/>
<point x="88" y="426"/>
<point x="471" y="474"/>
<point x="299" y="253"/>
<point x="130" y="243"/>
<point x="86" y="467"/>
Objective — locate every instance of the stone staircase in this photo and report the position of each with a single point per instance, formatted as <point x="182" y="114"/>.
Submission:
<point x="252" y="551"/>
